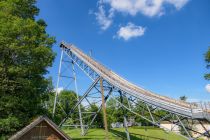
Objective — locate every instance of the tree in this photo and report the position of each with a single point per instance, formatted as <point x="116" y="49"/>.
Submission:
<point x="141" y="108"/>
<point x="183" y="98"/>
<point x="116" y="112"/>
<point x="65" y="102"/>
<point x="25" y="55"/>
<point x="207" y="59"/>
<point x="98" y="122"/>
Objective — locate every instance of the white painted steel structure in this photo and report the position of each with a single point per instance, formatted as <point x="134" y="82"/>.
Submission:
<point x="180" y="110"/>
<point x="169" y="104"/>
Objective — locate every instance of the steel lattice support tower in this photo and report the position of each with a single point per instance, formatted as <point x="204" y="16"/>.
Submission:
<point x="75" y="86"/>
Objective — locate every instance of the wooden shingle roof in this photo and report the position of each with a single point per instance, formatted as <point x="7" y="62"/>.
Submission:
<point x="42" y="119"/>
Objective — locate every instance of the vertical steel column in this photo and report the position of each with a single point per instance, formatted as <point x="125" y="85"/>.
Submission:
<point x="104" y="108"/>
<point x="79" y="107"/>
<point x="124" y="118"/>
<point x="129" y="105"/>
<point x="58" y="80"/>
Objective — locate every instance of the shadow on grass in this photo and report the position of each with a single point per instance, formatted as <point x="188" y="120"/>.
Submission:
<point x="133" y="136"/>
<point x="121" y="136"/>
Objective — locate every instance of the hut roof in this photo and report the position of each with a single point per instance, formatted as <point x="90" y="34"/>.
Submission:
<point x="37" y="121"/>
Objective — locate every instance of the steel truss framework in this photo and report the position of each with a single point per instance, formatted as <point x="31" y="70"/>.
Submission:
<point x="111" y="91"/>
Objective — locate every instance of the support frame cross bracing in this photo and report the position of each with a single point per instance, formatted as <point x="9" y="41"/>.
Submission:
<point x="150" y="107"/>
<point x="60" y="76"/>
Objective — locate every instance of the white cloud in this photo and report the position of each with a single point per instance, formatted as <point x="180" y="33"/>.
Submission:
<point x="178" y="3"/>
<point x="104" y="20"/>
<point x="150" y="8"/>
<point x="146" y="7"/>
<point x="130" y="31"/>
<point x="207" y="88"/>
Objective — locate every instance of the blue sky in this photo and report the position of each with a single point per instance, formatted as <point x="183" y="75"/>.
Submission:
<point x="158" y="45"/>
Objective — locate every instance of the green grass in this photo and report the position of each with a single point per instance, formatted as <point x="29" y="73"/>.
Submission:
<point x="119" y="134"/>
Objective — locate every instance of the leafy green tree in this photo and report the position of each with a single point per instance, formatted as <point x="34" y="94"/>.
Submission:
<point x="207" y="59"/>
<point x="111" y="111"/>
<point x="65" y="102"/>
<point x="25" y="55"/>
<point x="183" y="98"/>
<point x="98" y="122"/>
<point x="115" y="110"/>
<point x="142" y="109"/>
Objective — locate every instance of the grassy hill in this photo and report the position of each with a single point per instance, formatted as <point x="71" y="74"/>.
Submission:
<point x="136" y="133"/>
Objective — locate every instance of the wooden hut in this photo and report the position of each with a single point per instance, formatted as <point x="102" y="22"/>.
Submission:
<point x="40" y="129"/>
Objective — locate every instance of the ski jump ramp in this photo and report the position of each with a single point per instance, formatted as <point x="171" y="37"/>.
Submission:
<point x="175" y="106"/>
<point x="182" y="110"/>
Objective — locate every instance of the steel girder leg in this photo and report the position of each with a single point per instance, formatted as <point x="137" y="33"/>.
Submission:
<point x="104" y="107"/>
<point x="124" y="118"/>
<point x="58" y="81"/>
<point x="79" y="107"/>
<point x="150" y="113"/>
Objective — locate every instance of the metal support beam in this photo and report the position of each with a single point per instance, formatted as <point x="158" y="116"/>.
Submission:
<point x="58" y="80"/>
<point x="104" y="108"/>
<point x="150" y="113"/>
<point x="183" y="127"/>
<point x="129" y="105"/>
<point x="124" y="117"/>
<point x="79" y="107"/>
